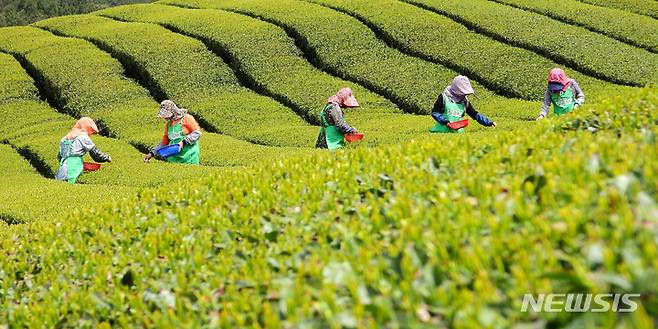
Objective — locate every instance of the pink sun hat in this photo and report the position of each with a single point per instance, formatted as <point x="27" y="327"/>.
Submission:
<point x="344" y="98"/>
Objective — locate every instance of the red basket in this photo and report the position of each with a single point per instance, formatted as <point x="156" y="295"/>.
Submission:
<point x="351" y="138"/>
<point x="458" y="124"/>
<point x="90" y="166"/>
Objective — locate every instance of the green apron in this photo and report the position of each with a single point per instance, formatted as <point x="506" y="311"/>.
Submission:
<point x="190" y="153"/>
<point x="73" y="162"/>
<point x="563" y="102"/>
<point x="335" y="139"/>
<point x="454" y="112"/>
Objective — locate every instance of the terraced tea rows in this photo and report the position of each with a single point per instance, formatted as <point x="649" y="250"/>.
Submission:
<point x="261" y="51"/>
<point x="252" y="45"/>
<point x="61" y="83"/>
<point x="265" y="125"/>
<point x="36" y="130"/>
<point x="649" y="8"/>
<point x="637" y="30"/>
<point x="182" y="69"/>
<point x="517" y="71"/>
<point x="32" y="196"/>
<point x="408" y="81"/>
<point x="90" y="82"/>
<point x="588" y="52"/>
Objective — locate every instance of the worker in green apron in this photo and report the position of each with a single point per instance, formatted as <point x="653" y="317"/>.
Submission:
<point x="182" y="130"/>
<point x="74" y="146"/>
<point x="453" y="104"/>
<point x="564" y="93"/>
<point x="334" y="128"/>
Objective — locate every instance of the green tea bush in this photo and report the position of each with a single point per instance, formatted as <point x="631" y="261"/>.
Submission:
<point x="648" y="8"/>
<point x="90" y="82"/>
<point x="637" y="30"/>
<point x="443" y="233"/>
<point x="354" y="53"/>
<point x="576" y="47"/>
<point x="184" y="70"/>
<point x="14" y="84"/>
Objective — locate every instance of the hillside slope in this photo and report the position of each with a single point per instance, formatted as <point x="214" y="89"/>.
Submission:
<point x="22" y="12"/>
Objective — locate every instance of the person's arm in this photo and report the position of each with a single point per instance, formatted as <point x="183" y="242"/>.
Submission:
<point x="95" y="153"/>
<point x="165" y="137"/>
<point x="192" y="137"/>
<point x="337" y="115"/>
<point x="438" y="111"/>
<point x="580" y="95"/>
<point x="194" y="129"/>
<point x="163" y="142"/>
<point x="546" y="106"/>
<point x="479" y="117"/>
<point x="99" y="156"/>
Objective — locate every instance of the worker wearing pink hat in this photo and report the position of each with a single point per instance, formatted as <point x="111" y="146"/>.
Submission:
<point x="74" y="146"/>
<point x="564" y="93"/>
<point x="334" y="128"/>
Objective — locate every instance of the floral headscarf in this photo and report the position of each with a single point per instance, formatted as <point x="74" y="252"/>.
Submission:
<point x="344" y="98"/>
<point x="169" y="111"/>
<point x="84" y="126"/>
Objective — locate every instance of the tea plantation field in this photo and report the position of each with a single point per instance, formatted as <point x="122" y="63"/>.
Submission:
<point x="405" y="229"/>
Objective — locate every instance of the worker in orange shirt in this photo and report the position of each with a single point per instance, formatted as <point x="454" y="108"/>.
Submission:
<point x="181" y="129"/>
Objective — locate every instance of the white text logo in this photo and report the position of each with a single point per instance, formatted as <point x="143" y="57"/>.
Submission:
<point x="579" y="303"/>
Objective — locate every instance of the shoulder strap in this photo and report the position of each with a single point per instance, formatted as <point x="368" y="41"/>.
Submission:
<point x="323" y="116"/>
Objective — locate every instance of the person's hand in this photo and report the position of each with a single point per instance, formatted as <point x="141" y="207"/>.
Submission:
<point x="148" y="157"/>
<point x="541" y="116"/>
<point x="180" y="146"/>
<point x="493" y="124"/>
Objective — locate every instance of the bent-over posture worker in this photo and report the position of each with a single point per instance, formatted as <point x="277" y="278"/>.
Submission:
<point x="74" y="146"/>
<point x="334" y="128"/>
<point x="182" y="129"/>
<point x="564" y="93"/>
<point x="453" y="103"/>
